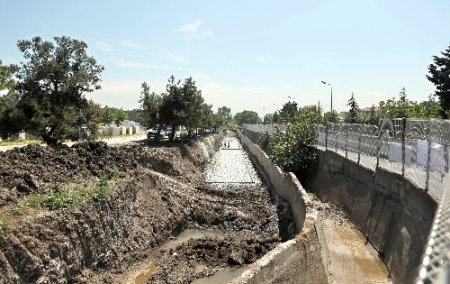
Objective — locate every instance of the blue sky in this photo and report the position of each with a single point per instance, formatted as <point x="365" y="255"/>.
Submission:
<point x="250" y="55"/>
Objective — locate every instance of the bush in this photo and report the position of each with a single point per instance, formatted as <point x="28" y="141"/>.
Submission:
<point x="292" y="148"/>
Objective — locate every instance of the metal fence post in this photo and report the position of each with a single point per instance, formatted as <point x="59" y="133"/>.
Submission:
<point x="403" y="145"/>
<point x="379" y="144"/>
<point x="427" y="181"/>
<point x="346" y="140"/>
<point x="359" y="144"/>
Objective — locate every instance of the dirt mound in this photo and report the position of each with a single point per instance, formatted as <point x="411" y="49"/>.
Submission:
<point x="35" y="168"/>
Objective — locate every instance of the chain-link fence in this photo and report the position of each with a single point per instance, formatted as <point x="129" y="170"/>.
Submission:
<point x="419" y="150"/>
<point x="416" y="149"/>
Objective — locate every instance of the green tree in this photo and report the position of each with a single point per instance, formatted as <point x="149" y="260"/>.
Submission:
<point x="440" y="77"/>
<point x="223" y="116"/>
<point x="288" y="111"/>
<point x="9" y="115"/>
<point x="119" y="115"/>
<point x="51" y="86"/>
<point x="151" y="109"/>
<point x="292" y="147"/>
<point x="246" y="116"/>
<point x="193" y="106"/>
<point x="353" y="113"/>
<point x="268" y="118"/>
<point x="330" y="117"/>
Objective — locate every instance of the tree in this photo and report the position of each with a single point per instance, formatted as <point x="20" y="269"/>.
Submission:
<point x="151" y="104"/>
<point x="288" y="111"/>
<point x="440" y="77"/>
<point x="9" y="116"/>
<point x="353" y="113"/>
<point x="223" y="116"/>
<point x="51" y="86"/>
<point x="193" y="106"/>
<point x="246" y="116"/>
<point x="292" y="147"/>
<point x="268" y="118"/>
<point x="330" y="117"/>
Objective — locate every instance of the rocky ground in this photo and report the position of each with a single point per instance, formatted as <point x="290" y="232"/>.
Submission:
<point x="134" y="201"/>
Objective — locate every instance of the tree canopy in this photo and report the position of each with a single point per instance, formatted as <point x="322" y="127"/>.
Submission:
<point x="353" y="112"/>
<point x="180" y="105"/>
<point x="51" y="84"/>
<point x="246" y="116"/>
<point x="439" y="75"/>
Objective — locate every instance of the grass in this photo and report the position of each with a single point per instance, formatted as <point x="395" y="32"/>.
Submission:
<point x="4" y="227"/>
<point x="67" y="194"/>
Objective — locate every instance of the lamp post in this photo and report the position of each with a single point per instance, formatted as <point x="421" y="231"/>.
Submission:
<point x="331" y="87"/>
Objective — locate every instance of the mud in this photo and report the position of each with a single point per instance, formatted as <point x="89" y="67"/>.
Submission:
<point x="159" y="193"/>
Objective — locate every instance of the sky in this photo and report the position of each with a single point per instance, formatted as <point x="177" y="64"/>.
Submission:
<point x="247" y="55"/>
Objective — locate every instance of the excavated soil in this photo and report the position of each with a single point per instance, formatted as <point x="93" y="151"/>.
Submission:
<point x="158" y="193"/>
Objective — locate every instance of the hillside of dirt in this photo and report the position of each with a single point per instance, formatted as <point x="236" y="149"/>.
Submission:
<point x="128" y="220"/>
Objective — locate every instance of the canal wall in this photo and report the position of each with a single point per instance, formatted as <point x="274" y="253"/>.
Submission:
<point x="394" y="214"/>
<point x="303" y="253"/>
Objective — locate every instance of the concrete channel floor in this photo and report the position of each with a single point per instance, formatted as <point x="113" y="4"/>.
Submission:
<point x="346" y="256"/>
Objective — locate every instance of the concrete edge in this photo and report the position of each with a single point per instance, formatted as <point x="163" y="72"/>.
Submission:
<point x="287" y="186"/>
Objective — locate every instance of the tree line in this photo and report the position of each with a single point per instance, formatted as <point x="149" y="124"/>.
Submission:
<point x="45" y="96"/>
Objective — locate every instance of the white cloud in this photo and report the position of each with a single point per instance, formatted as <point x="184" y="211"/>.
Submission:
<point x="195" y="30"/>
<point x="261" y="59"/>
<point x="175" y="57"/>
<point x="103" y="46"/>
<point x="132" y="45"/>
<point x="134" y="64"/>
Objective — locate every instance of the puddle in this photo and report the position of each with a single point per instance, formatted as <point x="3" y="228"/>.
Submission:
<point x="198" y="234"/>
<point x="149" y="269"/>
<point x="223" y="276"/>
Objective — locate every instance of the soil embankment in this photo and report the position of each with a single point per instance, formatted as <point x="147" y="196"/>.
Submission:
<point x="92" y="213"/>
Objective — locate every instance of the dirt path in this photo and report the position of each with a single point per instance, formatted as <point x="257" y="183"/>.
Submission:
<point x="109" y="140"/>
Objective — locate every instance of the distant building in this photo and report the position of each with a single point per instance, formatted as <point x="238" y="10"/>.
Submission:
<point x="365" y="112"/>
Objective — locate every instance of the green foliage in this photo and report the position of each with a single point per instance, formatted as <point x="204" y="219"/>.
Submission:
<point x="223" y="117"/>
<point x="112" y="114"/>
<point x="440" y="77"/>
<point x="403" y="107"/>
<point x="4" y="227"/>
<point x="353" y="113"/>
<point x="264" y="142"/>
<point x="180" y="105"/>
<point x="51" y="84"/>
<point x="288" y="111"/>
<point x="136" y="115"/>
<point x="292" y="148"/>
<point x="64" y="196"/>
<point x="246" y="116"/>
<point x="330" y="117"/>
<point x="268" y="118"/>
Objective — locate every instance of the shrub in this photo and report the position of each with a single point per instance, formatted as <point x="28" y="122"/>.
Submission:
<point x="292" y="147"/>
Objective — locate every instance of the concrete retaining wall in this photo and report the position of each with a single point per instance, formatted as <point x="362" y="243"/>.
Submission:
<point x="298" y="260"/>
<point x="394" y="214"/>
<point x="285" y="184"/>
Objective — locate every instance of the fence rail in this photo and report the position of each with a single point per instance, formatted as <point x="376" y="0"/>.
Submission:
<point x="419" y="150"/>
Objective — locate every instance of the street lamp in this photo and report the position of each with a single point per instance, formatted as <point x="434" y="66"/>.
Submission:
<point x="327" y="83"/>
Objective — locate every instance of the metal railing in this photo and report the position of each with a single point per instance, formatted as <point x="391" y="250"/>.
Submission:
<point x="419" y="150"/>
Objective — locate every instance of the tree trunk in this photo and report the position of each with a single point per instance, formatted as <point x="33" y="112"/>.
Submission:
<point x="172" y="134"/>
<point x="158" y="133"/>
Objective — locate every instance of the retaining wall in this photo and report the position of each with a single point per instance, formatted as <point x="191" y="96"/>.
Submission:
<point x="394" y="214"/>
<point x="300" y="258"/>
